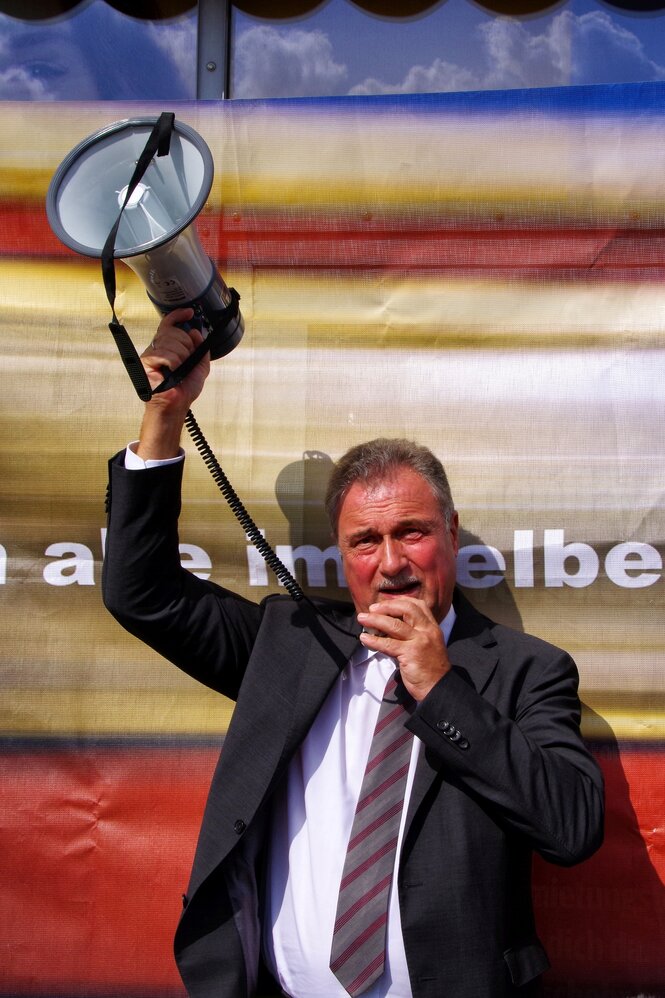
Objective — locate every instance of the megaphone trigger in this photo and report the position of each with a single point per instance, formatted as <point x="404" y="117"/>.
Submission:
<point x="194" y="323"/>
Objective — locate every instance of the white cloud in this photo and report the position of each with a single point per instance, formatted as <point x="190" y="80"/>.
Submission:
<point x="440" y="76"/>
<point x="294" y="63"/>
<point x="178" y="43"/>
<point x="587" y="48"/>
<point x="18" y="84"/>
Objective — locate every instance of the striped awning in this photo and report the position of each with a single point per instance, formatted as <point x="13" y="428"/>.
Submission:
<point x="155" y="10"/>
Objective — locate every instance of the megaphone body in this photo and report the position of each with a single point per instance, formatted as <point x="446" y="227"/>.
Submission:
<point x="156" y="236"/>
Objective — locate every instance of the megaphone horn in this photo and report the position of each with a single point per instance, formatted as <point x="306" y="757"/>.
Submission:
<point x="89" y="195"/>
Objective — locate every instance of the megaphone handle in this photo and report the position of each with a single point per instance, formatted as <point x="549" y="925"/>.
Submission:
<point x="131" y="360"/>
<point x="158" y="143"/>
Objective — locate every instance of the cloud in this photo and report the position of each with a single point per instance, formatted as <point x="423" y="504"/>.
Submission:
<point x="18" y="84"/>
<point x="438" y="77"/>
<point x="292" y="63"/>
<point x="96" y="54"/>
<point x="178" y="43"/>
<point x="574" y="49"/>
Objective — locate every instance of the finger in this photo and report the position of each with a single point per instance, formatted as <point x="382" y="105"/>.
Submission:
<point x="393" y="607"/>
<point x="171" y="345"/>
<point x="413" y="611"/>
<point x="171" y="327"/>
<point x="178" y="315"/>
<point x="167" y="354"/>
<point x="394" y="610"/>
<point x="385" y="625"/>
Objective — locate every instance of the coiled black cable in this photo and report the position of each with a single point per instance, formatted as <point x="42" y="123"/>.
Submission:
<point x="247" y="523"/>
<point x="239" y="511"/>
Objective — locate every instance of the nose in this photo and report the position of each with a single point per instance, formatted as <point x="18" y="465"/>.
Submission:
<point x="393" y="558"/>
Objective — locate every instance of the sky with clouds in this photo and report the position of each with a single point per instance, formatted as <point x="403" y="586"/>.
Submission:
<point x="100" y="54"/>
<point x="477" y="53"/>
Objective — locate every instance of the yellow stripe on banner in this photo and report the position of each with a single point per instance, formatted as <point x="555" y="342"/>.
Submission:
<point x="101" y="713"/>
<point x="472" y="202"/>
<point x="451" y="311"/>
<point x="642" y="726"/>
<point x="148" y="713"/>
<point x="553" y="167"/>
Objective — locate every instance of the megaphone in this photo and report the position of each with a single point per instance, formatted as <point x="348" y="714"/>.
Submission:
<point x="155" y="233"/>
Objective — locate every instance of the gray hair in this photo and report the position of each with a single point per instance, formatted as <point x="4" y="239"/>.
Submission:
<point x="377" y="460"/>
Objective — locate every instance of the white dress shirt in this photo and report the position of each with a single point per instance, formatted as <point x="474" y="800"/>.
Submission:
<point x="311" y="825"/>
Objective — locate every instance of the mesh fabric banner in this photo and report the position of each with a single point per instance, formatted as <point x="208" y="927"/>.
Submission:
<point x="480" y="272"/>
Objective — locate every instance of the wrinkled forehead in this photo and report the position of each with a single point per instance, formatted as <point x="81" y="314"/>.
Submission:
<point x="400" y="494"/>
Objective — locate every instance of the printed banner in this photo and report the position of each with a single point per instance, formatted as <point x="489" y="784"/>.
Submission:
<point x="480" y="272"/>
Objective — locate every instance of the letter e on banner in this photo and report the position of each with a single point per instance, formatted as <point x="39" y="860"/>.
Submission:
<point x="479" y="566"/>
<point x="195" y="560"/>
<point x="634" y="557"/>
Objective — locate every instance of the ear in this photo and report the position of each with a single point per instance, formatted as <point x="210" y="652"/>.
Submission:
<point x="454" y="532"/>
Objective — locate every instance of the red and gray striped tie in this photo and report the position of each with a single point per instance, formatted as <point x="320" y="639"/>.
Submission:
<point x="357" y="955"/>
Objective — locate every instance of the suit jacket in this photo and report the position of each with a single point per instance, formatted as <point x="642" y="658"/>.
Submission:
<point x="503" y="771"/>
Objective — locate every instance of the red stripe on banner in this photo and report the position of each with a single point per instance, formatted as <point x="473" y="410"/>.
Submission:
<point x="603" y="922"/>
<point x="25" y="231"/>
<point x="345" y="240"/>
<point x="97" y="842"/>
<point x="96" y="846"/>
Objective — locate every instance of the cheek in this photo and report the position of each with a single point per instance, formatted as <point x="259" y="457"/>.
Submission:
<point x="358" y="572"/>
<point x="439" y="565"/>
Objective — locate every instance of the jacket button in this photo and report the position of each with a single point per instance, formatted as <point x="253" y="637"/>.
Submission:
<point x="464" y="744"/>
<point x="239" y="826"/>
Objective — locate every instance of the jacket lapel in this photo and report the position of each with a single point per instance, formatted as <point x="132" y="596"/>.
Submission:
<point x="272" y="716"/>
<point x="330" y="648"/>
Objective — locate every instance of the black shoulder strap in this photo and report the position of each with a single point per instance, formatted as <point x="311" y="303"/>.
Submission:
<point x="159" y="142"/>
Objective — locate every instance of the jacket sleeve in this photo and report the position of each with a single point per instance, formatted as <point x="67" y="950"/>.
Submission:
<point x="205" y="630"/>
<point x="522" y="756"/>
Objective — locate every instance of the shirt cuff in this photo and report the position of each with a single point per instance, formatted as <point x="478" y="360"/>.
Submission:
<point x="135" y="463"/>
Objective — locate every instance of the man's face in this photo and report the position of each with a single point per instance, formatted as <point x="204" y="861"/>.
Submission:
<point x="394" y="541"/>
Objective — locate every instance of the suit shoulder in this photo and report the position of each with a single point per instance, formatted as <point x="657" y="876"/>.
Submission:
<point x="528" y="644"/>
<point x="509" y="641"/>
<point x="285" y="605"/>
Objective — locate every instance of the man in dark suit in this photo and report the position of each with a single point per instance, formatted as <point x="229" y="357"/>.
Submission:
<point x="495" y="769"/>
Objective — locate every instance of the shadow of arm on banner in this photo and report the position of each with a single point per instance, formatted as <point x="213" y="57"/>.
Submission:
<point x="603" y="922"/>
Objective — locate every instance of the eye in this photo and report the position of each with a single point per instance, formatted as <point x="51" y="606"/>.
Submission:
<point x="364" y="542"/>
<point x="412" y="533"/>
<point x="43" y="70"/>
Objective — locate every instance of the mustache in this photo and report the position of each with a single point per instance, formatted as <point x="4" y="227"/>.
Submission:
<point x="399" y="582"/>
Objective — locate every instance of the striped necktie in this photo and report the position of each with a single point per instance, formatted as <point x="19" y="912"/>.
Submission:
<point x="357" y="955"/>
